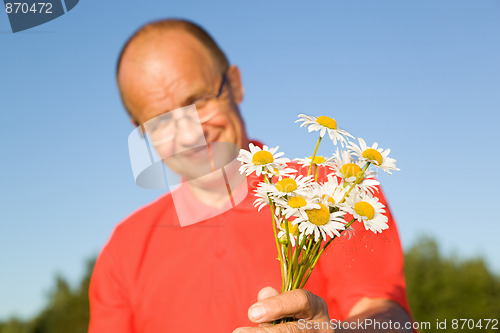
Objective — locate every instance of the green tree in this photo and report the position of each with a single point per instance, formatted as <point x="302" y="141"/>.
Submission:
<point x="449" y="288"/>
<point x="67" y="310"/>
<point x="439" y="287"/>
<point x="15" y="325"/>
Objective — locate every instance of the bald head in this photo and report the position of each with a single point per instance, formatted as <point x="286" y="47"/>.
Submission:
<point x="171" y="64"/>
<point x="164" y="48"/>
<point x="155" y="32"/>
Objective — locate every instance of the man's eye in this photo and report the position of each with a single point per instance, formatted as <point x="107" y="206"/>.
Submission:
<point x="200" y="102"/>
<point x="159" y="123"/>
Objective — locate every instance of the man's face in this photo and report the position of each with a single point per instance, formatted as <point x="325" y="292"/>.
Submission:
<point x="169" y="71"/>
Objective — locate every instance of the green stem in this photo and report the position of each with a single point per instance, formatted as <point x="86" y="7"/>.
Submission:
<point x="302" y="263"/>
<point x="276" y="238"/>
<point x="358" y="180"/>
<point x="321" y="251"/>
<point x="295" y="260"/>
<point x="304" y="256"/>
<point x="289" y="245"/>
<point x="303" y="269"/>
<point x="288" y="263"/>
<point x="314" y="155"/>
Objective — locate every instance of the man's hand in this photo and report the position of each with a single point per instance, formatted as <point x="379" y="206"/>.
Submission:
<point x="299" y="303"/>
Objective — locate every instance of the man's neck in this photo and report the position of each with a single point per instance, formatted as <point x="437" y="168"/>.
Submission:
<point x="215" y="190"/>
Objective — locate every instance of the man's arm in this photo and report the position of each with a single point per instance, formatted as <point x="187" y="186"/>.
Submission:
<point x="311" y="313"/>
<point x="109" y="307"/>
<point x="379" y="310"/>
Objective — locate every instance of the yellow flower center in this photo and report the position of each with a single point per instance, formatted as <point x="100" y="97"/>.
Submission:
<point x="349" y="170"/>
<point x="374" y="155"/>
<point x="327" y="122"/>
<point x="318" y="159"/>
<point x="286" y="185"/>
<point x="319" y="216"/>
<point x="296" y="202"/>
<point x="330" y="199"/>
<point x="292" y="229"/>
<point x="262" y="157"/>
<point x="363" y="208"/>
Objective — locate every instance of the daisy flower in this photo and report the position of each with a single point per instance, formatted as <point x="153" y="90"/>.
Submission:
<point x="293" y="185"/>
<point x="258" y="160"/>
<point x="282" y="171"/>
<point x="349" y="170"/>
<point x="324" y="124"/>
<point x="294" y="206"/>
<point x="318" y="160"/>
<point x="369" y="210"/>
<point x="262" y="198"/>
<point x="293" y="231"/>
<point x="320" y="221"/>
<point x="377" y="156"/>
<point x="331" y="192"/>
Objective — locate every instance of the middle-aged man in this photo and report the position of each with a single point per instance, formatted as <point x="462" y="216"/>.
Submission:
<point x="157" y="274"/>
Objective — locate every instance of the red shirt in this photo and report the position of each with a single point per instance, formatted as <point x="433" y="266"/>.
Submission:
<point x="155" y="276"/>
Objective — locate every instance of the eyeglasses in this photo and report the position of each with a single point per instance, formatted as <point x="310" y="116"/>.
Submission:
<point x="202" y="102"/>
<point x="163" y="128"/>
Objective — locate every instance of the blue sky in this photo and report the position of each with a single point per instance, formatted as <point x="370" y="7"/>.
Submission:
<point x="419" y="77"/>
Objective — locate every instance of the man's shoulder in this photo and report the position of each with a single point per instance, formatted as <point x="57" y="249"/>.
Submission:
<point x="156" y="209"/>
<point x="138" y="224"/>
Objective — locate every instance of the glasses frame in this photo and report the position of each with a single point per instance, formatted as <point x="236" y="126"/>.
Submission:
<point x="207" y="98"/>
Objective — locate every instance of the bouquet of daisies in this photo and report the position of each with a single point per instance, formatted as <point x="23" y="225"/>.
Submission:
<point x="307" y="213"/>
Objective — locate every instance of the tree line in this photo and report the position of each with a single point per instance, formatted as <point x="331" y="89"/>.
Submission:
<point x="440" y="287"/>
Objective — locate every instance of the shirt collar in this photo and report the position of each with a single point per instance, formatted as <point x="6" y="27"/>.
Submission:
<point x="191" y="211"/>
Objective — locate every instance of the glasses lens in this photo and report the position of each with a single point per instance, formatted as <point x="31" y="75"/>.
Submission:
<point x="160" y="130"/>
<point x="175" y="131"/>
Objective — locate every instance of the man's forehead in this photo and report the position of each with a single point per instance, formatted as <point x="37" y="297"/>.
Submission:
<point x="175" y="48"/>
<point x="169" y="59"/>
<point x="150" y="98"/>
<point x="157" y="68"/>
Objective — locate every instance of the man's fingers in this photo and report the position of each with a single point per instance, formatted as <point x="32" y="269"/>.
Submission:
<point x="266" y="293"/>
<point x="299" y="303"/>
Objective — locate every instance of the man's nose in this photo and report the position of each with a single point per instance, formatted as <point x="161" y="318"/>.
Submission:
<point x="189" y="134"/>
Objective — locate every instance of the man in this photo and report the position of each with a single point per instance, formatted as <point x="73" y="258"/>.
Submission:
<point x="158" y="275"/>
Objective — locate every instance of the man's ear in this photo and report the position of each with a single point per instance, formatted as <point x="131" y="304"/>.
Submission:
<point x="234" y="78"/>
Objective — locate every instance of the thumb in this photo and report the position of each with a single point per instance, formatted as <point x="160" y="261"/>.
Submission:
<point x="266" y="293"/>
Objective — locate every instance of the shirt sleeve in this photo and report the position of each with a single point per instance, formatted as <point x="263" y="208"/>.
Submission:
<point x="110" y="309"/>
<point x="366" y="265"/>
